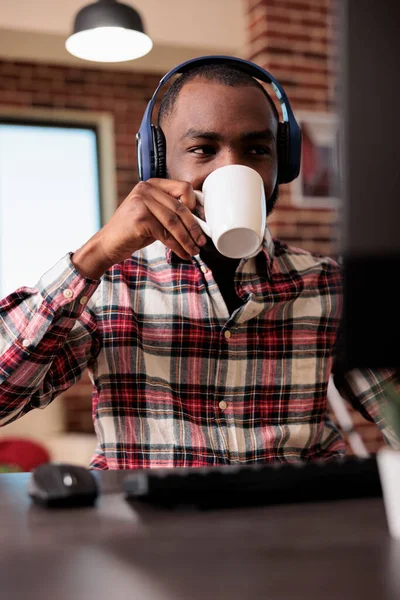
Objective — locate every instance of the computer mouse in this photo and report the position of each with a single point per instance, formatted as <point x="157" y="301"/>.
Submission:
<point x="62" y="485"/>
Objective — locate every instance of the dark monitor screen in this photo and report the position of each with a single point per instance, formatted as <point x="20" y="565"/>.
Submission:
<point x="370" y="164"/>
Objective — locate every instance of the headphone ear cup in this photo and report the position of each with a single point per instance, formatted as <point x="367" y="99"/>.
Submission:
<point x="160" y="150"/>
<point x="283" y="153"/>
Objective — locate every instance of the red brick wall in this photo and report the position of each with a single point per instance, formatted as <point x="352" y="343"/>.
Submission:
<point x="295" y="41"/>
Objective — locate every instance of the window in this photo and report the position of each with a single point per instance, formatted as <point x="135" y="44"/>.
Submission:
<point x="50" y="195"/>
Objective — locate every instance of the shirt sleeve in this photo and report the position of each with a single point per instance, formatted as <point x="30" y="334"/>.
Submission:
<point x="48" y="336"/>
<point x="365" y="390"/>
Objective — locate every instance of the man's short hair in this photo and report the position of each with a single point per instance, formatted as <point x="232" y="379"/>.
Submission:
<point x="224" y="74"/>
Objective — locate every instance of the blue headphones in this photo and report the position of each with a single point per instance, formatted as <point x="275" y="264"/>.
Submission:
<point x="150" y="140"/>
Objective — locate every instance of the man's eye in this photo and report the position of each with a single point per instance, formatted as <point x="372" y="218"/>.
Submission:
<point x="259" y="150"/>
<point x="202" y="150"/>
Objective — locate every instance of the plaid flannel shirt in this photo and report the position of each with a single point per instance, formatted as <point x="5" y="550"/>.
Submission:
<point x="178" y="381"/>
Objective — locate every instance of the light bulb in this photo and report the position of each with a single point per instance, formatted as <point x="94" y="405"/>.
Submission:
<point x="109" y="44"/>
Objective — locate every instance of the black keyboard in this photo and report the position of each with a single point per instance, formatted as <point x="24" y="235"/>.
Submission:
<point x="251" y="485"/>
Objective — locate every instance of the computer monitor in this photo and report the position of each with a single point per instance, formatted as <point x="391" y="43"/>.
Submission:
<point x="369" y="86"/>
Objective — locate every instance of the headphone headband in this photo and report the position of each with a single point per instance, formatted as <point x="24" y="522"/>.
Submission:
<point x="146" y="151"/>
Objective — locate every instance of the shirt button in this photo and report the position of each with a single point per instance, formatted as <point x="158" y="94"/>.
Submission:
<point x="83" y="300"/>
<point x="68" y="293"/>
<point x="227" y="334"/>
<point x="204" y="269"/>
<point x="26" y="343"/>
<point x="223" y="405"/>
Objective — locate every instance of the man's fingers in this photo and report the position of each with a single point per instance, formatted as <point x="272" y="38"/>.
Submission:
<point x="173" y="225"/>
<point x="179" y="210"/>
<point x="181" y="190"/>
<point x="168" y="239"/>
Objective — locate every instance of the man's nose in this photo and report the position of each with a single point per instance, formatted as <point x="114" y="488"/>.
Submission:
<point x="230" y="156"/>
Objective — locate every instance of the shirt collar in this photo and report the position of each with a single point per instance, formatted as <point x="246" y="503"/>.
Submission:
<point x="263" y="259"/>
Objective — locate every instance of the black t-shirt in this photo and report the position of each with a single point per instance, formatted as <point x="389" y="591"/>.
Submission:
<point x="223" y="270"/>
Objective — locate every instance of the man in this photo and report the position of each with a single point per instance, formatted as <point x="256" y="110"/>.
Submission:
<point x="195" y="359"/>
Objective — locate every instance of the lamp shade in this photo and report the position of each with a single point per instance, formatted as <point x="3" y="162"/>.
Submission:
<point x="108" y="31"/>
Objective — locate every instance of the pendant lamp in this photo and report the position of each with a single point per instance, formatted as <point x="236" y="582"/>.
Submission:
<point x="108" y="31"/>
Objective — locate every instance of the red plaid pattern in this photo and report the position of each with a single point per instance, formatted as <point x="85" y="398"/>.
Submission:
<point x="177" y="380"/>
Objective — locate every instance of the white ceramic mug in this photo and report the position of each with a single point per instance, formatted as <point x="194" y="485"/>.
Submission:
<point x="235" y="210"/>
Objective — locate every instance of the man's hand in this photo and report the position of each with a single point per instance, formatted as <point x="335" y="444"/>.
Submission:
<point x="157" y="209"/>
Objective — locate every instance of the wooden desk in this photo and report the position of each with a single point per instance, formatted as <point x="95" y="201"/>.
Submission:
<point x="330" y="551"/>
